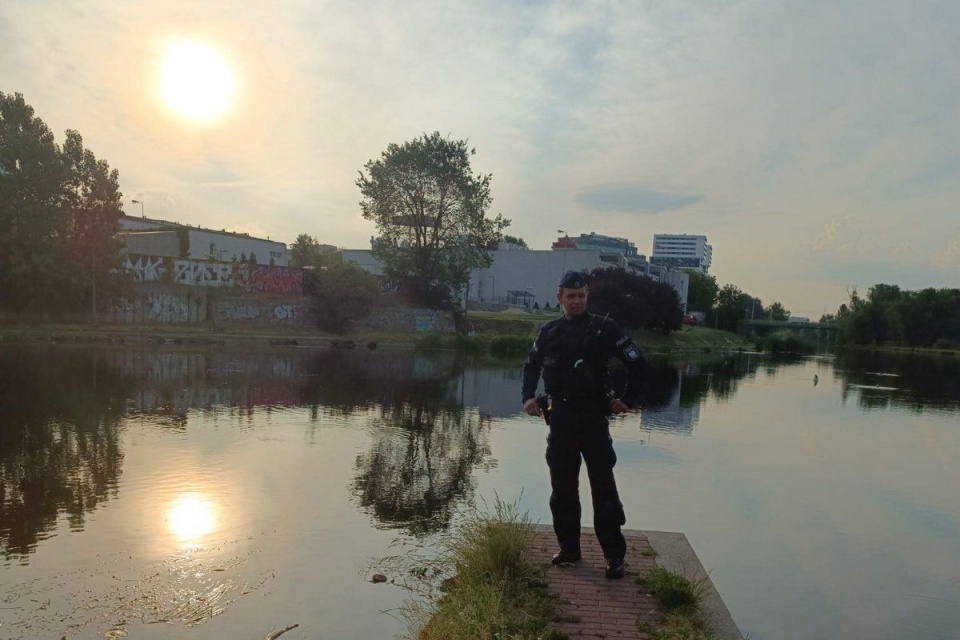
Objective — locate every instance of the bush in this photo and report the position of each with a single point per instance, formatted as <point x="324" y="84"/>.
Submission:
<point x="786" y="342"/>
<point x="341" y="294"/>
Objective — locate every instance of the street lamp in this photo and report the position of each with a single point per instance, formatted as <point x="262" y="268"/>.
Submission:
<point x="493" y="286"/>
<point x="141" y="207"/>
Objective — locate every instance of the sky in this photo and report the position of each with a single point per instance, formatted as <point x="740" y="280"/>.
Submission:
<point x="815" y="144"/>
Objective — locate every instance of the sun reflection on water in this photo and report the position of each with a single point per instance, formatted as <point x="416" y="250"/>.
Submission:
<point x="191" y="516"/>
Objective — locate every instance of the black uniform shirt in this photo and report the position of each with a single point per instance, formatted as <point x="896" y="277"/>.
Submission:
<point x="572" y="355"/>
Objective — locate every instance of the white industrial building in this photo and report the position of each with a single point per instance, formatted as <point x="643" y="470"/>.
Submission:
<point x="681" y="251"/>
<point x="145" y="236"/>
<point x="525" y="278"/>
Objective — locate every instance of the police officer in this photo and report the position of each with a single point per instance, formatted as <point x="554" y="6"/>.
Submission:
<point x="572" y="353"/>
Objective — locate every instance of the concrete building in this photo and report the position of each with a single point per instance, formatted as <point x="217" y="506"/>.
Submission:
<point x="146" y="236"/>
<point x="528" y="278"/>
<point x="682" y="251"/>
<point x="596" y="242"/>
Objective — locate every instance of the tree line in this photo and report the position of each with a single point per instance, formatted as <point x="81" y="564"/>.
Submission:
<point x="889" y="315"/>
<point x="727" y="307"/>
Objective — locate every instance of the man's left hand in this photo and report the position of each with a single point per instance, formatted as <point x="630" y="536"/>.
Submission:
<point x="618" y="406"/>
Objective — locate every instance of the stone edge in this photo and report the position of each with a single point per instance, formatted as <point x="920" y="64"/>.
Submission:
<point x="675" y="554"/>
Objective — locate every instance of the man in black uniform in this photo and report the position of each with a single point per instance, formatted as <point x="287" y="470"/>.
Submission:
<point x="572" y="353"/>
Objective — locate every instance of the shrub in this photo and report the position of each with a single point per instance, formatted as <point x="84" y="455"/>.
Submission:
<point x="786" y="342"/>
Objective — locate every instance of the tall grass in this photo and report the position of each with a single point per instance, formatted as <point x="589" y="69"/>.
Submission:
<point x="679" y="599"/>
<point x="481" y="584"/>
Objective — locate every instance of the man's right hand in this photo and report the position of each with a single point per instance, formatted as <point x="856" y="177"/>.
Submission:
<point x="532" y="408"/>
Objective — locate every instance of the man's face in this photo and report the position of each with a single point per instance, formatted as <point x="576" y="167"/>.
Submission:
<point x="573" y="301"/>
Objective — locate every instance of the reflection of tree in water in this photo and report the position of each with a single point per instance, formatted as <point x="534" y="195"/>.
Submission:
<point x="718" y="378"/>
<point x="60" y="411"/>
<point x="919" y="381"/>
<point x="420" y="465"/>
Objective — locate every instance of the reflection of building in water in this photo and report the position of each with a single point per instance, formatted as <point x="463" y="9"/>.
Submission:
<point x="672" y="417"/>
<point x="495" y="393"/>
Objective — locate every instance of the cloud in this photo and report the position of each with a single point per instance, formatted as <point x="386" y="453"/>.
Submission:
<point x="635" y="199"/>
<point x="950" y="255"/>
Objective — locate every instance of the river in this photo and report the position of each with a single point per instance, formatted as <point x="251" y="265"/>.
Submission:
<point x="231" y="493"/>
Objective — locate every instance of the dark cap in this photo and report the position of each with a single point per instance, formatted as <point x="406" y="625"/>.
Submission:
<point x="572" y="280"/>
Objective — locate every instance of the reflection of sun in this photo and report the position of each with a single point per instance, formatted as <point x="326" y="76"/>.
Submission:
<point x="191" y="516"/>
<point x="196" y="82"/>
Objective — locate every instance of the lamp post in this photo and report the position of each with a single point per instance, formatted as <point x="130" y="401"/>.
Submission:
<point x="141" y="207"/>
<point x="493" y="287"/>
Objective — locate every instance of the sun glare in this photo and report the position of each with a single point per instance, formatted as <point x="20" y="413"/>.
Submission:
<point x="191" y="516"/>
<point x="196" y="82"/>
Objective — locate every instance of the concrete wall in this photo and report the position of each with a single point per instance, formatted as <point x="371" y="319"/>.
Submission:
<point x="409" y="319"/>
<point x="155" y="303"/>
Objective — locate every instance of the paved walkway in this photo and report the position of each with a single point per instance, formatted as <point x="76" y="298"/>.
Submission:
<point x="589" y="605"/>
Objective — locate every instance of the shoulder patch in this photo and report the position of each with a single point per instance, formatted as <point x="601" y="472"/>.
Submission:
<point x="631" y="352"/>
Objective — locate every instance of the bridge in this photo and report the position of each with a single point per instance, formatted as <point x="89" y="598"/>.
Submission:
<point x="763" y="327"/>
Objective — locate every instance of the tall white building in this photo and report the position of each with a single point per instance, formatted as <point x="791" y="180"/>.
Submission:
<point x="682" y="251"/>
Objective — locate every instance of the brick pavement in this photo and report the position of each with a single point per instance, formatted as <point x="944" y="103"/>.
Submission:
<point x="589" y="605"/>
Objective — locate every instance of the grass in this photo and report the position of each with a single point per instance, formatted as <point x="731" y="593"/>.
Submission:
<point x="481" y="585"/>
<point x="679" y="599"/>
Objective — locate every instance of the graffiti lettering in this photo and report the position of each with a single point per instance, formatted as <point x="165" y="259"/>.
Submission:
<point x="285" y="312"/>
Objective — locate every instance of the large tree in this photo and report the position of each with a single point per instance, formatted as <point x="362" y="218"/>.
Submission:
<point x="33" y="203"/>
<point x="430" y="213"/>
<point x="59" y="211"/>
<point x="701" y="291"/>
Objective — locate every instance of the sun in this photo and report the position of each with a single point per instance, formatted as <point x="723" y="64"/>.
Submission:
<point x="196" y="81"/>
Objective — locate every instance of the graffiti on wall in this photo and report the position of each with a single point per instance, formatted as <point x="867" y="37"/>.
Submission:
<point x="239" y="310"/>
<point x="269" y="279"/>
<point x="202" y="273"/>
<point x="285" y="312"/>
<point x="145" y="268"/>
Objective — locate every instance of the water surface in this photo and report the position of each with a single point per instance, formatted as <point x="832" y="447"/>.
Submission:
<point x="231" y="493"/>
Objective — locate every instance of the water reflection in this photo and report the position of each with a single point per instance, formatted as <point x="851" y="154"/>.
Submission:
<point x="912" y="381"/>
<point x="60" y="413"/>
<point x="191" y="516"/>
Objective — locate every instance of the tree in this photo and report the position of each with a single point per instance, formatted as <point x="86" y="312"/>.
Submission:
<point x="59" y="211"/>
<point x="430" y="213"/>
<point x="92" y="223"/>
<point x="306" y="251"/>
<point x="33" y="204"/>
<point x="634" y="301"/>
<point x="730" y="303"/>
<point x="341" y="293"/>
<point x="701" y="291"/>
<point x="520" y="242"/>
<point x="776" y="312"/>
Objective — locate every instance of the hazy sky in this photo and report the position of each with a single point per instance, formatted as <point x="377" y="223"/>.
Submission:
<point x="816" y="144"/>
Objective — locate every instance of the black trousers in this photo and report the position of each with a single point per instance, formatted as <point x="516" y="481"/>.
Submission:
<point x="587" y="435"/>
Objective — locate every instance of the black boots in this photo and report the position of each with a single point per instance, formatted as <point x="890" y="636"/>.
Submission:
<point x="615" y="568"/>
<point x="565" y="556"/>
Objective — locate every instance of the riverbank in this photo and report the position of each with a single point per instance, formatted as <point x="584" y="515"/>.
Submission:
<point x="485" y="327"/>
